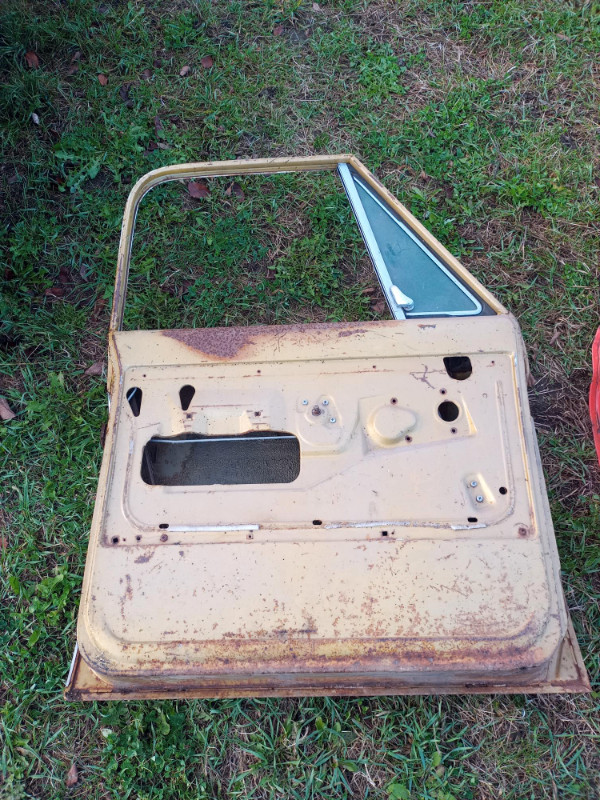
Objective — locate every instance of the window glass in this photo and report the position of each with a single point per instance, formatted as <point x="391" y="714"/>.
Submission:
<point x="409" y="264"/>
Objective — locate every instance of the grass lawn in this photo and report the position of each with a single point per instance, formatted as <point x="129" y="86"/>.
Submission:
<point x="482" y="117"/>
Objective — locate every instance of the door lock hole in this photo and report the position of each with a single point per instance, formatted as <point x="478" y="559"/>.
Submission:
<point x="186" y="394"/>
<point x="134" y="398"/>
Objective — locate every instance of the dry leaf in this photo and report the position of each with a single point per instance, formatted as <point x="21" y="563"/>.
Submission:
<point x="369" y="290"/>
<point x="158" y="126"/>
<point x="83" y="271"/>
<point x="35" y="119"/>
<point x="163" y="146"/>
<point x="103" y="80"/>
<point x="95" y="369"/>
<point x="99" y="306"/>
<point x="72" y="776"/>
<point x="185" y="71"/>
<point x="530" y="380"/>
<point x="32" y="60"/>
<point x="73" y="68"/>
<point x="379" y="307"/>
<point x="316" y="7"/>
<point x="76" y="56"/>
<point x="555" y="337"/>
<point x="563" y="36"/>
<point x="236" y="189"/>
<point x="207" y="62"/>
<point x="146" y="74"/>
<point x="54" y="291"/>
<point x="277" y="30"/>
<point x="198" y="190"/>
<point x="6" y="413"/>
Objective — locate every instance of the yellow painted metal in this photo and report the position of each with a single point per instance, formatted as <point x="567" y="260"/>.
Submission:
<point x="412" y="554"/>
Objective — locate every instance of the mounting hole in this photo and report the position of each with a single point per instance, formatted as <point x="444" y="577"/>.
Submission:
<point x="384" y="533"/>
<point x="452" y="430"/>
<point x="458" y="367"/>
<point x="115" y="540"/>
<point x="134" y="398"/>
<point x="257" y="413"/>
<point x="471" y="519"/>
<point x="163" y="526"/>
<point x="408" y="438"/>
<point x="448" y="411"/>
<point x="163" y="537"/>
<point x="138" y="538"/>
<point x="186" y="393"/>
<point x="503" y="490"/>
<point x="317" y="521"/>
<point x="442" y="391"/>
<point x="394" y="400"/>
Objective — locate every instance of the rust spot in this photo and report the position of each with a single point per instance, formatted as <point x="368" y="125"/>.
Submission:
<point x="144" y="559"/>
<point x="218" y="342"/>
<point x="226" y="343"/>
<point x="352" y="332"/>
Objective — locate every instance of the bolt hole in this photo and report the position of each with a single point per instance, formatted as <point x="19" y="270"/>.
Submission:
<point x="503" y="490"/>
<point x="471" y="519"/>
<point x="163" y="525"/>
<point x="452" y="430"/>
<point x="442" y="391"/>
<point x="115" y="540"/>
<point x="448" y="411"/>
<point x="257" y="413"/>
<point x="164" y="537"/>
<point x="186" y="394"/>
<point x="408" y="438"/>
<point x="317" y="521"/>
<point x="384" y="533"/>
<point x="138" y="538"/>
<point x="394" y="400"/>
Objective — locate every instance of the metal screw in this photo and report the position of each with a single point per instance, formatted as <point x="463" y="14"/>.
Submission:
<point x="473" y="484"/>
<point x="332" y="419"/>
<point x="325" y="402"/>
<point x="316" y="411"/>
<point x="479" y="498"/>
<point x="305" y="402"/>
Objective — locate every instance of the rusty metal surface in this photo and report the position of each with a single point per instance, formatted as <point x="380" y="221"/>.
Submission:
<point x="406" y="572"/>
<point x="566" y="676"/>
<point x="413" y="553"/>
